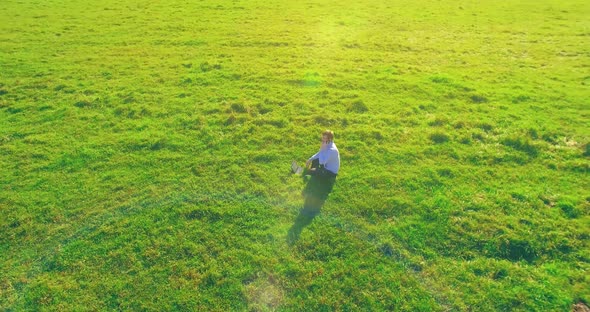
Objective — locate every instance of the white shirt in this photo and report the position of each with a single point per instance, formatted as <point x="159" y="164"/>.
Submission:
<point x="329" y="157"/>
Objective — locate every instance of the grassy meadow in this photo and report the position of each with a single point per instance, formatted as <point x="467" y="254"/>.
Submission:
<point x="145" y="151"/>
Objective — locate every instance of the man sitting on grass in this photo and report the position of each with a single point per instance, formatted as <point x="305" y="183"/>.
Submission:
<point x="326" y="162"/>
<point x="323" y="167"/>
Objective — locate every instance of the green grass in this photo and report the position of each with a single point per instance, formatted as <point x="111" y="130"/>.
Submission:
<point x="145" y="151"/>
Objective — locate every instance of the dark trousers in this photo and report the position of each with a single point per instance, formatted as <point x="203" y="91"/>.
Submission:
<point x="319" y="170"/>
<point x="321" y="183"/>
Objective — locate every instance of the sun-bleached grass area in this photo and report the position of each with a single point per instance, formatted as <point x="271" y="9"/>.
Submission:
<point x="145" y="149"/>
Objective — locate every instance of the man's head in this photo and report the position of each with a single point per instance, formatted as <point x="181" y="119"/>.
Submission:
<point x="327" y="136"/>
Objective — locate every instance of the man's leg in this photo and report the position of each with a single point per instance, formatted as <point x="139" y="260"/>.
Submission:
<point x="315" y="164"/>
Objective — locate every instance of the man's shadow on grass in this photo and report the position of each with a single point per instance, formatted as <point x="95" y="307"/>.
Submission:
<point x="316" y="192"/>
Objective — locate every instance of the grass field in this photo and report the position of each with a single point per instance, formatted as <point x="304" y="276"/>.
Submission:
<point x="145" y="150"/>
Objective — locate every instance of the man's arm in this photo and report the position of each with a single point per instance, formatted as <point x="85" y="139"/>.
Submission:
<point x="315" y="156"/>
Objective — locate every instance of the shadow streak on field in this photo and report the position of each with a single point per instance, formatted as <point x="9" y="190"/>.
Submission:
<point x="316" y="192"/>
<point x="303" y="219"/>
